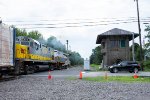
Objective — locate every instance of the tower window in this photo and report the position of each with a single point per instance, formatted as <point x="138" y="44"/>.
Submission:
<point x="114" y="43"/>
<point x="122" y="44"/>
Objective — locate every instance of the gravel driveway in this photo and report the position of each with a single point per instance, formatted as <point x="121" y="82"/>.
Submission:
<point x="40" y="88"/>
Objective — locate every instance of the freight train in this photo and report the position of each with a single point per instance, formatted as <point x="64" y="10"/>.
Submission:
<point x="25" y="55"/>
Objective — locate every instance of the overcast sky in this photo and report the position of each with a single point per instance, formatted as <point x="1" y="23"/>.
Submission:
<point x="79" y="21"/>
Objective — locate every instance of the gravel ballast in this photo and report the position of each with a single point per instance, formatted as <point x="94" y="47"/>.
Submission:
<point x="40" y="88"/>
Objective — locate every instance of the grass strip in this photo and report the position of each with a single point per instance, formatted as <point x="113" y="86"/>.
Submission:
<point x="95" y="67"/>
<point x="127" y="79"/>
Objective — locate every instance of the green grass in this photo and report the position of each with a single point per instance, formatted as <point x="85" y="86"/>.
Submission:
<point x="95" y="67"/>
<point x="127" y="79"/>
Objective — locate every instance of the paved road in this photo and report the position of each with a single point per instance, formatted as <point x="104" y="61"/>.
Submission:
<point x="70" y="72"/>
<point x="74" y="72"/>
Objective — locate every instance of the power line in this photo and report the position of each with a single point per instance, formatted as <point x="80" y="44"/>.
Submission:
<point x="45" y="20"/>
<point x="88" y="22"/>
<point x="57" y="19"/>
<point x="67" y="26"/>
<point x="81" y="23"/>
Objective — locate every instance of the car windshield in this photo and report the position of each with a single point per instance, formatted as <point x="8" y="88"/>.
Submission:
<point x="122" y="63"/>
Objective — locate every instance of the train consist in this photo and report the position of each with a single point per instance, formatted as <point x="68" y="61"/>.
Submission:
<point x="26" y="55"/>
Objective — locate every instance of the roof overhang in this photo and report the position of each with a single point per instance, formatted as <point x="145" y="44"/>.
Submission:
<point x="111" y="33"/>
<point x="100" y="37"/>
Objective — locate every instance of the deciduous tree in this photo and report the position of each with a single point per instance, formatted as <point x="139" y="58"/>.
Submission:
<point x="96" y="56"/>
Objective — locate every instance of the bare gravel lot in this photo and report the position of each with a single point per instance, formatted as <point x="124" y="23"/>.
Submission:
<point x="40" y="88"/>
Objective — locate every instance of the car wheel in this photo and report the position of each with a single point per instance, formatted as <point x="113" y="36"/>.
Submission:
<point x="111" y="71"/>
<point x="115" y="70"/>
<point x="135" y="70"/>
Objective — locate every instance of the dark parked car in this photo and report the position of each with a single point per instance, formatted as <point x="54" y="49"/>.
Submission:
<point x="130" y="66"/>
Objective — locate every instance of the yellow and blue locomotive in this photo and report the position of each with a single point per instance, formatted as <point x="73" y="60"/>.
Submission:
<point x="26" y="55"/>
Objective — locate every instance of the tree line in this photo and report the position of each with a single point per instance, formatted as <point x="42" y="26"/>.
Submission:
<point x="53" y="42"/>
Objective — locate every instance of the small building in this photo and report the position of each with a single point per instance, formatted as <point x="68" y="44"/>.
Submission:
<point x="115" y="45"/>
<point x="86" y="64"/>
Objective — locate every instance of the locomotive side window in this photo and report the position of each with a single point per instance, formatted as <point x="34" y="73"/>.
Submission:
<point x="25" y="43"/>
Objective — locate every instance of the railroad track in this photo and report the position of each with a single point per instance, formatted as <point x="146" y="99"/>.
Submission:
<point x="8" y="78"/>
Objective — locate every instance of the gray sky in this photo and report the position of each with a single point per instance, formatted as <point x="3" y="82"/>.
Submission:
<point x="88" y="16"/>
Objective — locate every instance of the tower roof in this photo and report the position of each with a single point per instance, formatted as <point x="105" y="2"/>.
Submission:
<point x="115" y="32"/>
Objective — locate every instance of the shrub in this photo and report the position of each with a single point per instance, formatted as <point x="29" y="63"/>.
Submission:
<point x="146" y="65"/>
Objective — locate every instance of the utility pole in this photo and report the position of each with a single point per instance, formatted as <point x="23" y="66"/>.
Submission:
<point x="0" y="20"/>
<point x="70" y="47"/>
<point x="139" y="28"/>
<point x="67" y="45"/>
<point x="133" y="56"/>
